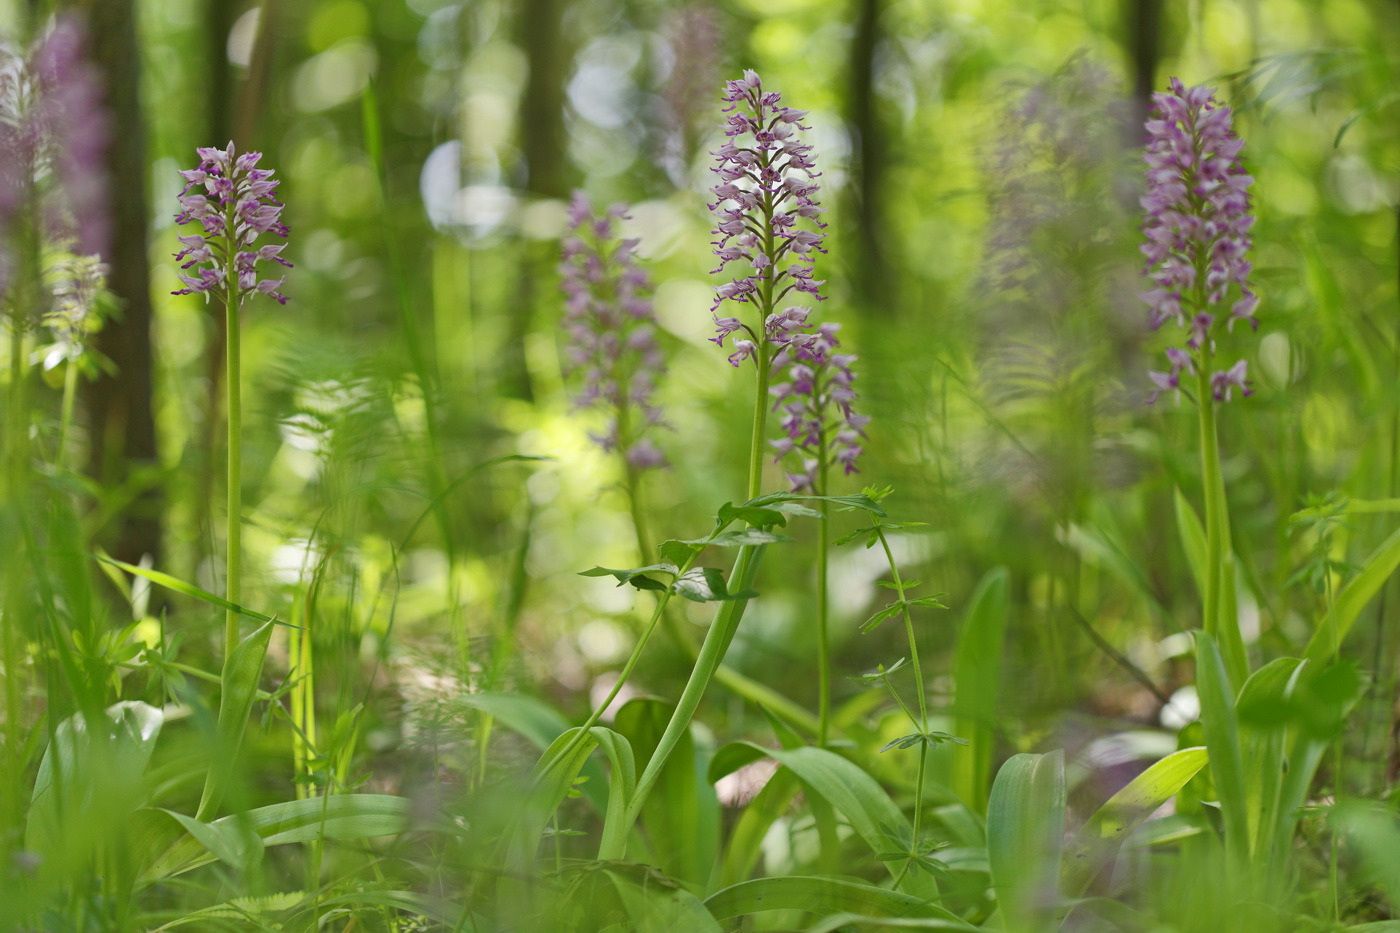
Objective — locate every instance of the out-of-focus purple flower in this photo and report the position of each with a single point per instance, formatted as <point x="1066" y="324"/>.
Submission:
<point x="820" y="427"/>
<point x="79" y="281"/>
<point x="693" y="36"/>
<point x="767" y="184"/>
<point x="1197" y="228"/>
<point x="238" y="205"/>
<point x="53" y="133"/>
<point x="611" y="331"/>
<point x="76" y="129"/>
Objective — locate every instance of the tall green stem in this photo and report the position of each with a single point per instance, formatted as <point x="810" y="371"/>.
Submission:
<point x="234" y="388"/>
<point x="1219" y="554"/>
<point x="721" y="633"/>
<point x="823" y="647"/>
<point x="65" y="419"/>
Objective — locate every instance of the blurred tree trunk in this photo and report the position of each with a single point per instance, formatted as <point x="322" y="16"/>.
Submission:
<point x="543" y="144"/>
<point x="1142" y="23"/>
<point x="121" y="406"/>
<point x="869" y="156"/>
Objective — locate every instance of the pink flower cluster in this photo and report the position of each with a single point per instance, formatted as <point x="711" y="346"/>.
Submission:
<point x="238" y="205"/>
<point x="767" y="184"/>
<point x="1197" y="227"/>
<point x="611" y="330"/>
<point x="815" y="401"/>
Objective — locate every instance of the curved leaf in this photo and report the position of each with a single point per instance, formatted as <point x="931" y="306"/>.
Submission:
<point x="818" y="895"/>
<point x="977" y="677"/>
<point x="1025" y="832"/>
<point x="1096" y="844"/>
<point x="345" y="816"/>
<point x="1353" y="598"/>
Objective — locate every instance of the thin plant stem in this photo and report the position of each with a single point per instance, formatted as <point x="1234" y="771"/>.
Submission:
<point x="823" y="638"/>
<point x="65" y="419"/>
<point x="234" y="388"/>
<point x="1219" y="556"/>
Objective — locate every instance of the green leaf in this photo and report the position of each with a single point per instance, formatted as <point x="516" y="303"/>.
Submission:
<point x="681" y="815"/>
<point x="89" y="780"/>
<point x="1025" y="831"/>
<point x="232" y="841"/>
<point x="654" y="908"/>
<point x="856" y="795"/>
<point x="874" y="621"/>
<point x="848" y="538"/>
<point x="189" y="589"/>
<point x="792" y="508"/>
<point x="679" y="553"/>
<point x="636" y="576"/>
<point x="754" y="515"/>
<point x="344" y="816"/>
<point x="748" y="537"/>
<point x="623" y="780"/>
<point x="861" y="501"/>
<point x="1096" y="844"/>
<point x="242" y="671"/>
<point x="1193" y="540"/>
<point x="977" y="682"/>
<point x="1359" y="591"/>
<point x="706" y="584"/>
<point x="540" y="724"/>
<point x="820" y="895"/>
<point x="1218" y="719"/>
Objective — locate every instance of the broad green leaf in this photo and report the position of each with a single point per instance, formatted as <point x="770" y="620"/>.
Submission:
<point x="232" y="841"/>
<point x="1096" y="844"/>
<point x="662" y="909"/>
<point x="858" y="797"/>
<point x="1025" y="833"/>
<point x="818" y="895"/>
<point x="89" y="779"/>
<point x="1263" y="747"/>
<point x="977" y="681"/>
<point x="681" y="816"/>
<point x="1375" y="832"/>
<point x="541" y="724"/>
<point x="242" y="671"/>
<point x="622" y="781"/>
<point x="343" y="816"/>
<point x="1353" y="598"/>
<point x="745" y="843"/>
<point x="1218" y="719"/>
<point x="549" y="783"/>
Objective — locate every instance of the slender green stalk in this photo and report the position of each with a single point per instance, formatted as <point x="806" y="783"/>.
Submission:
<point x="717" y="639"/>
<point x="823" y="638"/>
<point x="65" y="419"/>
<point x="233" y="382"/>
<point x="1219" y="582"/>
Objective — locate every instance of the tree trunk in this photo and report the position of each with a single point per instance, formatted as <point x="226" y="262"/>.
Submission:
<point x="120" y="406"/>
<point x="869" y="153"/>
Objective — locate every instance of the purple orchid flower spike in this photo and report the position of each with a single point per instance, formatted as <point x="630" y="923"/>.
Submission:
<point x="611" y="331"/>
<point x="820" y="427"/>
<point x="766" y="190"/>
<point x="237" y="205"/>
<point x="1197" y="229"/>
